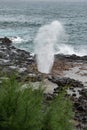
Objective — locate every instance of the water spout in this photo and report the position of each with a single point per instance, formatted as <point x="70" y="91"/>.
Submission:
<point x="46" y="39"/>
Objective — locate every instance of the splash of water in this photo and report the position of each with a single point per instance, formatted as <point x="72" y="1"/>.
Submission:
<point x="45" y="41"/>
<point x="17" y="39"/>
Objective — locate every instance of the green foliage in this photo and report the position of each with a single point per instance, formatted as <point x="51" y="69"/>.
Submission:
<point x="20" y="108"/>
<point x="60" y="115"/>
<point x="23" y="109"/>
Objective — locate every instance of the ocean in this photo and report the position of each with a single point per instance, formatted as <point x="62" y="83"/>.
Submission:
<point x="20" y="21"/>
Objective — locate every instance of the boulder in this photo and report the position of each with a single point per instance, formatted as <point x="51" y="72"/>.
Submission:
<point x="65" y="82"/>
<point x="6" y="41"/>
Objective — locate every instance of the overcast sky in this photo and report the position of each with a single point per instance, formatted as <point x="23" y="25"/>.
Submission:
<point x="47" y="0"/>
<point x="54" y="0"/>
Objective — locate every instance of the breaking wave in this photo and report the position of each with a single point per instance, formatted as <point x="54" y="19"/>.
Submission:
<point x="17" y="40"/>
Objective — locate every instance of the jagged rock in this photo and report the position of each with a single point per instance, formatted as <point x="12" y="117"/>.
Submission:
<point x="80" y="103"/>
<point x="84" y="93"/>
<point x="49" y="97"/>
<point x="80" y="106"/>
<point x="16" y="60"/>
<point x="66" y="82"/>
<point x="6" y="41"/>
<point x="71" y="57"/>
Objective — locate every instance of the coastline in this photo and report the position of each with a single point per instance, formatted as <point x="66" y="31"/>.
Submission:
<point x="67" y="70"/>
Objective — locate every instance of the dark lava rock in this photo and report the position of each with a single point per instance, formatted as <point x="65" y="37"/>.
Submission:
<point x="74" y="95"/>
<point x="84" y="93"/>
<point x="33" y="77"/>
<point x="70" y="58"/>
<point x="65" y="82"/>
<point x="80" y="106"/>
<point x="17" y="61"/>
<point x="6" y="41"/>
<point x="80" y="103"/>
<point x="48" y="97"/>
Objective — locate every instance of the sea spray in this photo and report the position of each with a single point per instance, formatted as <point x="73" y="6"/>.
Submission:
<point x="46" y="39"/>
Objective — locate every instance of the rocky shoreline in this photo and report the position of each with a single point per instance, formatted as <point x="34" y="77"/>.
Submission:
<point x="67" y="70"/>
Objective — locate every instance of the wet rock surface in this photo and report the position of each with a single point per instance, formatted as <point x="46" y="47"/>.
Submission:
<point x="13" y="60"/>
<point x="65" y="82"/>
<point x="67" y="70"/>
<point x="80" y="106"/>
<point x="78" y="94"/>
<point x="5" y="41"/>
<point x="71" y="58"/>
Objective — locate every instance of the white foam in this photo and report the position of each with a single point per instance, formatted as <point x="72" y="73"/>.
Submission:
<point x="46" y="39"/>
<point x="65" y="49"/>
<point x="17" y="40"/>
<point x="69" y="50"/>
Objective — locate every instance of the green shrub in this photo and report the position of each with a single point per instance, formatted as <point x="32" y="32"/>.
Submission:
<point x="60" y="114"/>
<point x="20" y="109"/>
<point x="23" y="109"/>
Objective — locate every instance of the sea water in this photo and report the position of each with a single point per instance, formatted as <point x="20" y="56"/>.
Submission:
<point x="21" y="21"/>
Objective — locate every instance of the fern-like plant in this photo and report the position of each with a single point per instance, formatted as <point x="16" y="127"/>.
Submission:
<point x="20" y="108"/>
<point x="60" y="114"/>
<point x="23" y="109"/>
